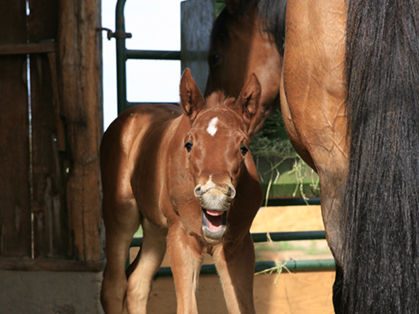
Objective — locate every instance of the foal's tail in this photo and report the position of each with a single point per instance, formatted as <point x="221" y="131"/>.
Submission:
<point x="380" y="221"/>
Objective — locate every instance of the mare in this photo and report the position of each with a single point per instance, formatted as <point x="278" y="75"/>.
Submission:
<point x="348" y="82"/>
<point x="187" y="176"/>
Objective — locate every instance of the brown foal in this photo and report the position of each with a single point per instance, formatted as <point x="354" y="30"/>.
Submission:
<point x="186" y="175"/>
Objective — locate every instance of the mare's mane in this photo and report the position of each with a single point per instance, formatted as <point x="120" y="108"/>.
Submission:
<point x="271" y="17"/>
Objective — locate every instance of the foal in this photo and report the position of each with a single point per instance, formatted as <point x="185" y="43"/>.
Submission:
<point x="186" y="175"/>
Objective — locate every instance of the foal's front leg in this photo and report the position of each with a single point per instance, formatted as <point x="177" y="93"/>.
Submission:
<point x="235" y="263"/>
<point x="186" y="254"/>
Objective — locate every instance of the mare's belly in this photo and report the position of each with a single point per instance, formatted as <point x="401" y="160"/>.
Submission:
<point x="314" y="80"/>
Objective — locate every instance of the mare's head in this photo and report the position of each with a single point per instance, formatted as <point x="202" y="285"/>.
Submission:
<point x="247" y="37"/>
<point x="217" y="149"/>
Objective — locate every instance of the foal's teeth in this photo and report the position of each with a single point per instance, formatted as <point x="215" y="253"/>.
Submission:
<point x="214" y="212"/>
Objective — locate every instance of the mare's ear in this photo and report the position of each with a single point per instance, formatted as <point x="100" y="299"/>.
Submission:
<point x="191" y="99"/>
<point x="249" y="103"/>
<point x="232" y="6"/>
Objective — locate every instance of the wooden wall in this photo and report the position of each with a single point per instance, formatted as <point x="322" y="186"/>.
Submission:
<point x="14" y="138"/>
<point x="50" y="127"/>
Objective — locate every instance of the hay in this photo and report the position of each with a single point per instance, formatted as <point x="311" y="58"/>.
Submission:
<point x="271" y="141"/>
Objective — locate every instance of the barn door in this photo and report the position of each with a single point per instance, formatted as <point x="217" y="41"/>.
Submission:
<point x="49" y="134"/>
<point x="15" y="212"/>
<point x="32" y="216"/>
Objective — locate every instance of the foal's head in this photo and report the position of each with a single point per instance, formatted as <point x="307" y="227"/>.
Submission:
<point x="217" y="148"/>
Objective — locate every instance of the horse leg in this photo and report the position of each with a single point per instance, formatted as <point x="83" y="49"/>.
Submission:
<point x="121" y="222"/>
<point x="333" y="186"/>
<point x="235" y="263"/>
<point x="186" y="254"/>
<point x="145" y="266"/>
<point x="337" y="290"/>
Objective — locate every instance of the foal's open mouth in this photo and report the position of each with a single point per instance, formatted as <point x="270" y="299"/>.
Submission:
<point x="214" y="224"/>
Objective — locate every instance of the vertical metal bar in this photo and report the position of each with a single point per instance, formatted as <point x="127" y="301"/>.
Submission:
<point x="121" y="81"/>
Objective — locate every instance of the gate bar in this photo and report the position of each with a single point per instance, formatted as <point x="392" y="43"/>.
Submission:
<point x="123" y="54"/>
<point x="289" y="236"/>
<point x="152" y="54"/>
<point x="121" y="72"/>
<point x="263" y="237"/>
<point x="260" y="266"/>
<point x="291" y="265"/>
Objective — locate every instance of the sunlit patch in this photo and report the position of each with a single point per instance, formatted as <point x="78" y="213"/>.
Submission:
<point x="212" y="126"/>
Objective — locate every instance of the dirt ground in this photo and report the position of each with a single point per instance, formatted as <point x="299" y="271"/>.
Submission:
<point x="296" y="293"/>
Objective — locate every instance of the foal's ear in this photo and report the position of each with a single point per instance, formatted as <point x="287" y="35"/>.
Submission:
<point x="191" y="99"/>
<point x="248" y="101"/>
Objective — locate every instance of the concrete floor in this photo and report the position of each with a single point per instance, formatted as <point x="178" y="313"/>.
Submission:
<point x="50" y="292"/>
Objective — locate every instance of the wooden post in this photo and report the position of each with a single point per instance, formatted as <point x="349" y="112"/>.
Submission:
<point x="78" y="83"/>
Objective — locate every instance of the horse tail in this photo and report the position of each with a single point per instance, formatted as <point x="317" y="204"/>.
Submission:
<point x="380" y="214"/>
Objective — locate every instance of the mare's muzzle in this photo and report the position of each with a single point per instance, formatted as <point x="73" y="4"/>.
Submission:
<point x="215" y="202"/>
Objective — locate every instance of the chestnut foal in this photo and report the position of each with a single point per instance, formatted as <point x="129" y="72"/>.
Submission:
<point x="186" y="175"/>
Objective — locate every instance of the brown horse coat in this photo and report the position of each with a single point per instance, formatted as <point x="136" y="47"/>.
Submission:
<point x="308" y="75"/>
<point x="185" y="174"/>
<point x="349" y="92"/>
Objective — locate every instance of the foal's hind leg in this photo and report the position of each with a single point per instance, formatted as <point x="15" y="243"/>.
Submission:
<point x="145" y="266"/>
<point x="121" y="222"/>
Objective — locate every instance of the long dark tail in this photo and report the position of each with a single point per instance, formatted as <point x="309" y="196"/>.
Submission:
<point x="381" y="207"/>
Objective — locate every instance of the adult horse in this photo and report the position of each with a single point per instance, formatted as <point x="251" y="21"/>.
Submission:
<point x="184" y="174"/>
<point x="349" y="93"/>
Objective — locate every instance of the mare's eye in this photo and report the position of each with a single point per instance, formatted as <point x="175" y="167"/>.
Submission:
<point x="188" y="146"/>
<point x="243" y="149"/>
<point x="214" y="59"/>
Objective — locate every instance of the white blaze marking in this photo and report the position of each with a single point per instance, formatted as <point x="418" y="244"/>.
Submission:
<point x="209" y="185"/>
<point x="212" y="126"/>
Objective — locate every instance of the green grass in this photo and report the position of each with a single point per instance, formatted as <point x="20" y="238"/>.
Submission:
<point x="139" y="233"/>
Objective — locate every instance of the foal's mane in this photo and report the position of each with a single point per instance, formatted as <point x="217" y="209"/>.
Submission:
<point x="218" y="99"/>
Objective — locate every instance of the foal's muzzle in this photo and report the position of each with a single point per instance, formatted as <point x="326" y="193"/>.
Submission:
<point x="215" y="202"/>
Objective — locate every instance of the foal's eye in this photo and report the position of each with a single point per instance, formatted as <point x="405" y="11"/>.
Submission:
<point x="188" y="146"/>
<point x="243" y="149"/>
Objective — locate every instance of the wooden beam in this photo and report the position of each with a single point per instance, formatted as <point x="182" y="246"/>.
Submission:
<point x="18" y="49"/>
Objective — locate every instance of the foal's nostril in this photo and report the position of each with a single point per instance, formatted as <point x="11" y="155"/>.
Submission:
<point x="231" y="192"/>
<point x="197" y="191"/>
